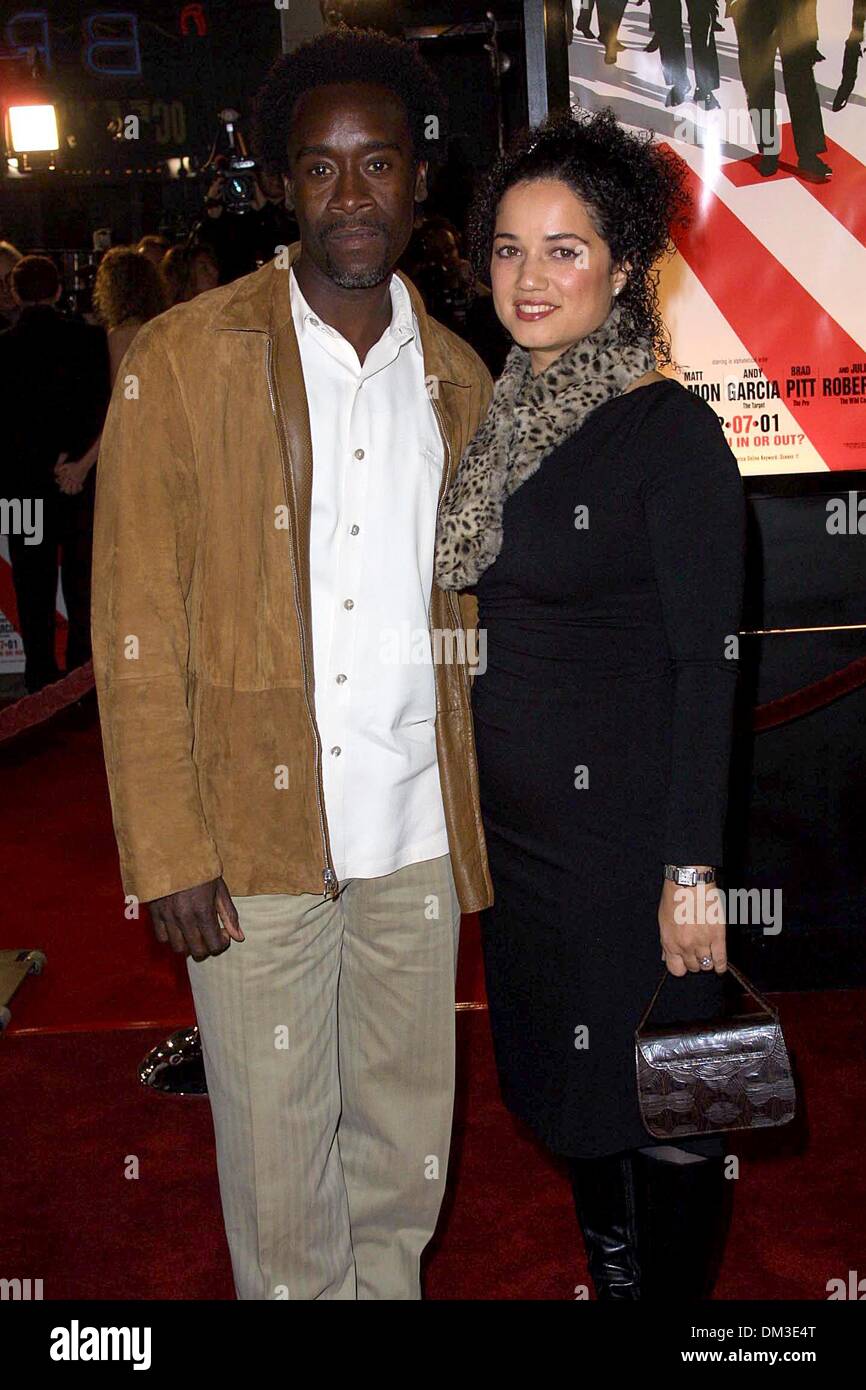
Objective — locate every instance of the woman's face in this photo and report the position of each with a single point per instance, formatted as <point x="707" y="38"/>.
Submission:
<point x="552" y="276"/>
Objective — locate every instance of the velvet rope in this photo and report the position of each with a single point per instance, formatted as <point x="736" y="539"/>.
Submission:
<point x="811" y="697"/>
<point x="45" y="703"/>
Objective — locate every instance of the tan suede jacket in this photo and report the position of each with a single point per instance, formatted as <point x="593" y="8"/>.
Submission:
<point x="201" y="603"/>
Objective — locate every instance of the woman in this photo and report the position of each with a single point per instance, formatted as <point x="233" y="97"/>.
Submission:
<point x="598" y="515"/>
<point x="127" y="292"/>
<point x="187" y="271"/>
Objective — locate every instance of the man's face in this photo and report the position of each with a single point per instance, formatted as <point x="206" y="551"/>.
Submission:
<point x="354" y="181"/>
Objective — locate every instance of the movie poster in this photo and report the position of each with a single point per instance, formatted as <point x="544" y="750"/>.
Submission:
<point x="765" y="101"/>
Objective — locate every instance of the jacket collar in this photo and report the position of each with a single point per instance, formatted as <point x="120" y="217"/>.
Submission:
<point x="259" y="303"/>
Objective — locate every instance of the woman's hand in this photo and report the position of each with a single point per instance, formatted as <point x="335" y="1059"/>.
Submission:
<point x="71" y="476"/>
<point x="692" y="928"/>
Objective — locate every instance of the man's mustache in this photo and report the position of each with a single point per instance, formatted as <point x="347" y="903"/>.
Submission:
<point x="353" y="227"/>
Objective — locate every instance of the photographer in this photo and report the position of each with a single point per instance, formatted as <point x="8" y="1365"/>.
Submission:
<point x="244" y="234"/>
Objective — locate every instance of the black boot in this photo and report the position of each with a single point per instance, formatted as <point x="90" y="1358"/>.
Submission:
<point x="604" y="1199"/>
<point x="683" y="1210"/>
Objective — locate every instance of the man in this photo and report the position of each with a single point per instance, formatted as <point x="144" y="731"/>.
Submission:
<point x="610" y="15"/>
<point x="294" y="789"/>
<point x="789" y="27"/>
<point x="667" y="22"/>
<point x="851" y="58"/>
<point x="54" y="382"/>
<point x="242" y="241"/>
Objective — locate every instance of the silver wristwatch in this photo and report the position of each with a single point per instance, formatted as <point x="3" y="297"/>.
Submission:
<point x="687" y="877"/>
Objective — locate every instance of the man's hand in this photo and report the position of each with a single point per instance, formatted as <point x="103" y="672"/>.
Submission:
<point x="214" y="196"/>
<point x="197" y="922"/>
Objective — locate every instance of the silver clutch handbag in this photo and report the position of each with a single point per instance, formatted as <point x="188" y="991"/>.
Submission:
<point x="722" y="1074"/>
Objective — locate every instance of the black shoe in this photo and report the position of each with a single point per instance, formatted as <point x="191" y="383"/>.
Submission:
<point x="583" y="25"/>
<point x="768" y="165"/>
<point x="814" y="170"/>
<point x="683" y="1211"/>
<point x="676" y="96"/>
<point x="604" y="1199"/>
<point x="176" y="1065"/>
<point x="850" y="64"/>
<point x="706" y="99"/>
<point x="654" y="45"/>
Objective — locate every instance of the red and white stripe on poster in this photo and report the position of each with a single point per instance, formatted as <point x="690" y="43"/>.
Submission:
<point x="11" y="649"/>
<point x="765" y="298"/>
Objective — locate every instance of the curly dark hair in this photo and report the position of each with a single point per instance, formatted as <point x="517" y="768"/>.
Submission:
<point x="127" y="286"/>
<point x="347" y="55"/>
<point x="633" y="189"/>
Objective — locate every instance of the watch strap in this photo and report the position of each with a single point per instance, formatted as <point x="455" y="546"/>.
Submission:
<point x="688" y="877"/>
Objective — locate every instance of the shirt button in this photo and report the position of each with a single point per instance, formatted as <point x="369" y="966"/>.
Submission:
<point x="314" y="322"/>
<point x="341" y="679"/>
<point x="349" y="603"/>
<point x="354" y="531"/>
<point x="359" y="453"/>
<point x="335" y="752"/>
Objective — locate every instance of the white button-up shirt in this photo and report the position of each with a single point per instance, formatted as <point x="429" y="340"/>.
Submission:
<point x="377" y="468"/>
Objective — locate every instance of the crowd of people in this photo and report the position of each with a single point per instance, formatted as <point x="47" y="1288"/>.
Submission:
<point x="57" y="370"/>
<point x="56" y="375"/>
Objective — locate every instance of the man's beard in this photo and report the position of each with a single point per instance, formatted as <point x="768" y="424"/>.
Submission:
<point x="358" y="279"/>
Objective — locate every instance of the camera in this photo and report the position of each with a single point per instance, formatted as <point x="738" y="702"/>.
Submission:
<point x="235" y="169"/>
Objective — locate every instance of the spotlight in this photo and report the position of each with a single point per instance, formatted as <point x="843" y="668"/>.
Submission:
<point x="30" y="120"/>
<point x="32" y="129"/>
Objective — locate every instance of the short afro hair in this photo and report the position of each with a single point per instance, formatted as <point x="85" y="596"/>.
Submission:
<point x="633" y="188"/>
<point x="35" y="279"/>
<point x="348" y="55"/>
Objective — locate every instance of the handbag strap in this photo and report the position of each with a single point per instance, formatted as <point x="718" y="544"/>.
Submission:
<point x="746" y="984"/>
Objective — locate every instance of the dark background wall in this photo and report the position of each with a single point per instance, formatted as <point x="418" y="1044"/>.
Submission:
<point x="797" y="817"/>
<point x="185" y="78"/>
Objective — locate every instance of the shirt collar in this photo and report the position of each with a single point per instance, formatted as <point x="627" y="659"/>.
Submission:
<point x="403" y="327"/>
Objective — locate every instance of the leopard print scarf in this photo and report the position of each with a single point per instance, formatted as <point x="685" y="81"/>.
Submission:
<point x="527" y="419"/>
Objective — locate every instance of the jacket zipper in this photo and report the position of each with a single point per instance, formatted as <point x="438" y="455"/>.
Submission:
<point x="452" y="601"/>
<point x="329" y="877"/>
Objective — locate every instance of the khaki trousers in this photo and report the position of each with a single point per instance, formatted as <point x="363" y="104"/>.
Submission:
<point x="328" y="1041"/>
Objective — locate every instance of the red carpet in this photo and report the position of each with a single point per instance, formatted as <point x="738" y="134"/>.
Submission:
<point x="70" y="1215"/>
<point x="63" y="893"/>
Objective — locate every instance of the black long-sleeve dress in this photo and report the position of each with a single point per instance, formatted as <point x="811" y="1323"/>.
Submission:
<point x="603" y="725"/>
